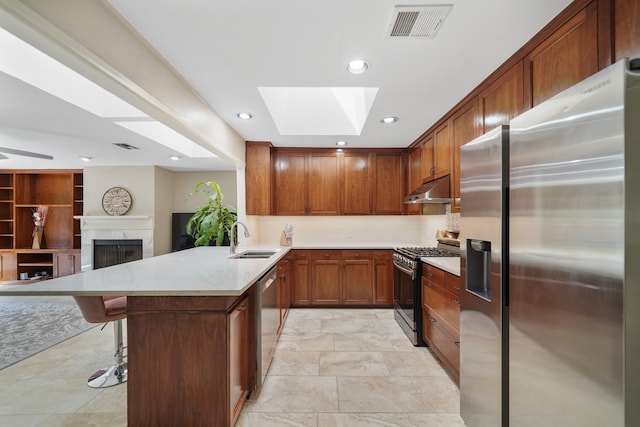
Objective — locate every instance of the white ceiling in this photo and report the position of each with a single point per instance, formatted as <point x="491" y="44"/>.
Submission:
<point x="227" y="49"/>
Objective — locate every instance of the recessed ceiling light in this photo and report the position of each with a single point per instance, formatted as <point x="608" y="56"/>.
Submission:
<point x="389" y="120"/>
<point x="175" y="158"/>
<point x="341" y="143"/>
<point x="86" y="158"/>
<point x="244" y="116"/>
<point x="357" y="66"/>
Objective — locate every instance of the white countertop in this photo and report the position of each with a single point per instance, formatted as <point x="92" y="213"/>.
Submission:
<point x="450" y="264"/>
<point x="203" y="271"/>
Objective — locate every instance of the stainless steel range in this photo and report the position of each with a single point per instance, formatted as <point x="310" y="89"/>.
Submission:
<point x="407" y="289"/>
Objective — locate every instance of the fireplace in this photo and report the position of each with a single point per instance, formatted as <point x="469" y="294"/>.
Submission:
<point x="107" y="252"/>
<point x="114" y="228"/>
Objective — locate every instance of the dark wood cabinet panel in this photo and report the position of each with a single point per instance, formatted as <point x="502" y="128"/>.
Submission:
<point x="414" y="176"/>
<point x="357" y="282"/>
<point x="326" y="282"/>
<point x="206" y="342"/>
<point x="300" y="276"/>
<point x="8" y="266"/>
<point x="357" y="191"/>
<point x="258" y="178"/>
<point x="428" y="158"/>
<point x="383" y="277"/>
<point x="627" y="29"/>
<point x="442" y="149"/>
<point x="504" y="99"/>
<point x="238" y="325"/>
<point x="466" y="125"/>
<point x="388" y="194"/>
<point x="290" y="184"/>
<point x="342" y="278"/>
<point x="66" y="263"/>
<point x="323" y="184"/>
<point x="568" y="56"/>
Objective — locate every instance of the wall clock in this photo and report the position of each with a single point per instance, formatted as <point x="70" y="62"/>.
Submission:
<point x="116" y="201"/>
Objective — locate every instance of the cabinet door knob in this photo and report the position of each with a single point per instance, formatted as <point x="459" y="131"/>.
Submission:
<point x="429" y="274"/>
<point x="431" y="319"/>
<point x="430" y="285"/>
<point x="455" y="301"/>
<point x="457" y="288"/>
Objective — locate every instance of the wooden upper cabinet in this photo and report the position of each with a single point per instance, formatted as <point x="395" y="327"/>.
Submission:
<point x="414" y="176"/>
<point x="627" y="28"/>
<point x="503" y="99"/>
<point x="357" y="184"/>
<point x="290" y="184"/>
<point x="323" y="184"/>
<point x="566" y="57"/>
<point x="428" y="158"/>
<point x="442" y="150"/>
<point x="258" y="178"/>
<point x="388" y="193"/>
<point x="466" y="125"/>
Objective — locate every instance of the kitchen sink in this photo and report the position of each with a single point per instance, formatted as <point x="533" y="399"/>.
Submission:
<point x="253" y="255"/>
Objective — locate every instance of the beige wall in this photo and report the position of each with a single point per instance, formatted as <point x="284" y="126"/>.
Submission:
<point x="138" y="180"/>
<point x="163" y="190"/>
<point x="185" y="182"/>
<point x="156" y="192"/>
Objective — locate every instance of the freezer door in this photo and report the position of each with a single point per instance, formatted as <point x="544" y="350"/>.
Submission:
<point x="482" y="233"/>
<point x="567" y="257"/>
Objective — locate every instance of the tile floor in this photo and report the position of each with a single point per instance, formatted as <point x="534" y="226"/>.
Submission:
<point x="332" y="367"/>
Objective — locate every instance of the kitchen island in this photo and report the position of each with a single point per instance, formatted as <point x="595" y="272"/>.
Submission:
<point x="191" y="325"/>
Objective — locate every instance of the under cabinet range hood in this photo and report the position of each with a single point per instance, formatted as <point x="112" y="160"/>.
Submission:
<point x="436" y="191"/>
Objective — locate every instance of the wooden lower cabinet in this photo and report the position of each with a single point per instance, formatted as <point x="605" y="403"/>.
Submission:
<point x="300" y="275"/>
<point x="66" y="263"/>
<point x="441" y="316"/>
<point x="192" y="360"/>
<point x="284" y="289"/>
<point x="238" y="328"/>
<point x="326" y="278"/>
<point x="357" y="280"/>
<point x="8" y="265"/>
<point x="342" y="278"/>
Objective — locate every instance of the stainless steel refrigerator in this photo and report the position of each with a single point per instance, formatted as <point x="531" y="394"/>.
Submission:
<point x="550" y="261"/>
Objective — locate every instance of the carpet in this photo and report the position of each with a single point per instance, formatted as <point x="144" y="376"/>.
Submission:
<point x="31" y="327"/>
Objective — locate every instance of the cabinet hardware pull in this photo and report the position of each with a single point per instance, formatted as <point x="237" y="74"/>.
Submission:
<point x="243" y="307"/>
<point x="430" y="274"/>
<point x="457" y="343"/>
<point x="457" y="288"/>
<point x="455" y="301"/>
<point x="431" y="319"/>
<point x="327" y="254"/>
<point x="430" y="285"/>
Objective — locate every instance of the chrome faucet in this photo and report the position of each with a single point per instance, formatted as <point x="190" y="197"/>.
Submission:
<point x="232" y="236"/>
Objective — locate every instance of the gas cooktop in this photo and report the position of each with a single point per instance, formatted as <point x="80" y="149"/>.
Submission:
<point x="419" y="252"/>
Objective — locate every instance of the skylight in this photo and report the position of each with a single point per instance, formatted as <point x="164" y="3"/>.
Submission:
<point x="319" y="110"/>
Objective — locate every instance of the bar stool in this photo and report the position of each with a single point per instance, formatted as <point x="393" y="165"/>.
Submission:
<point x="97" y="309"/>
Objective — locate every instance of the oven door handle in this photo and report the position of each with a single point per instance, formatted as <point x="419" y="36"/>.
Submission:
<point x="405" y="270"/>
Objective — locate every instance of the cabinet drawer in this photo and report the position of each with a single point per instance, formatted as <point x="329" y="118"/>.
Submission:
<point x="326" y="254"/>
<point x="382" y="255"/>
<point x="443" y="303"/>
<point x="433" y="274"/>
<point x="452" y="284"/>
<point x="357" y="254"/>
<point x="300" y="254"/>
<point x="442" y="343"/>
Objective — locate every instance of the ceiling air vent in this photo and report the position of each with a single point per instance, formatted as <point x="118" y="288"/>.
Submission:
<point x="418" y="21"/>
<point x="125" y="146"/>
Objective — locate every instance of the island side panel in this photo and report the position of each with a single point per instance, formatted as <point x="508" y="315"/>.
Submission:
<point x="177" y="360"/>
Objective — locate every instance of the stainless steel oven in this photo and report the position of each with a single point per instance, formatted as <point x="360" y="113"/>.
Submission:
<point x="407" y="288"/>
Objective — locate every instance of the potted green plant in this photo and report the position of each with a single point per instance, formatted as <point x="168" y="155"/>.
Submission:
<point x="212" y="220"/>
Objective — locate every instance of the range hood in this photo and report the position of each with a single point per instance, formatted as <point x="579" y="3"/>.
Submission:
<point x="436" y="191"/>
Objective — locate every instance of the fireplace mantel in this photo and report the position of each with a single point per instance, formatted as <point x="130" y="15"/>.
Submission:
<point x="93" y="227"/>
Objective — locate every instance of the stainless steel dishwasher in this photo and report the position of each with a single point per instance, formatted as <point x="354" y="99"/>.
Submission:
<point x="267" y="324"/>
